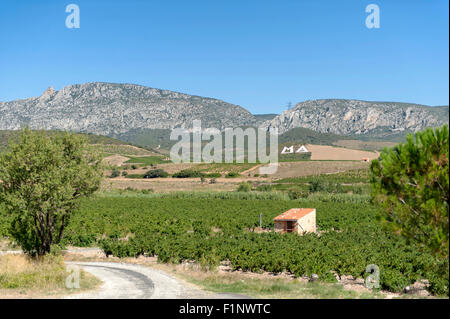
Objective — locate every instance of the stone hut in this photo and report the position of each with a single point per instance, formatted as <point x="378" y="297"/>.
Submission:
<point x="299" y="220"/>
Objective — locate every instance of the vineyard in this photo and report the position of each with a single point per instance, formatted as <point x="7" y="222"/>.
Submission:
<point x="209" y="229"/>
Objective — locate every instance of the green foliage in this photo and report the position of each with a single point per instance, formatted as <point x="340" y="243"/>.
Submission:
<point x="293" y="157"/>
<point x="244" y="187"/>
<point x="232" y="175"/>
<point x="316" y="185"/>
<point x="43" y="177"/>
<point x="264" y="188"/>
<point x="411" y="183"/>
<point x="154" y="173"/>
<point x="115" y="173"/>
<point x="135" y="176"/>
<point x="353" y="176"/>
<point x="297" y="193"/>
<point x="301" y="135"/>
<point x="179" y="227"/>
<point x="188" y="173"/>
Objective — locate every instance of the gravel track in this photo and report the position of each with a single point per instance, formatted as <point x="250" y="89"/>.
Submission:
<point x="130" y="281"/>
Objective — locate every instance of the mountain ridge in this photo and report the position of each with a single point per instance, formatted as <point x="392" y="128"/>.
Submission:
<point x="359" y="118"/>
<point x="115" y="109"/>
<point x="112" y="108"/>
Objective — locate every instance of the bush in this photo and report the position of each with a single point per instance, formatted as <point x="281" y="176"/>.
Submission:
<point x="154" y="173"/>
<point x="232" y="175"/>
<point x="114" y="173"/>
<point x="124" y="173"/>
<point x="188" y="173"/>
<point x="297" y="193"/>
<point x="316" y="185"/>
<point x="134" y="166"/>
<point x="244" y="187"/>
<point x="212" y="181"/>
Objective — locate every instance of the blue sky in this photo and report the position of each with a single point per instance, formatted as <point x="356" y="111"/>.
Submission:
<point x="257" y="54"/>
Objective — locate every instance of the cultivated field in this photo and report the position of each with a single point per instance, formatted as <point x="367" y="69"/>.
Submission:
<point x="164" y="185"/>
<point x="327" y="153"/>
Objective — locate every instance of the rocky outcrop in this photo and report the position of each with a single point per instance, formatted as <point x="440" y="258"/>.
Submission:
<point x="353" y="117"/>
<point x="109" y="108"/>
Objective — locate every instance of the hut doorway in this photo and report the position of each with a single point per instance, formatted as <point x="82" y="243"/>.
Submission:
<point x="290" y="226"/>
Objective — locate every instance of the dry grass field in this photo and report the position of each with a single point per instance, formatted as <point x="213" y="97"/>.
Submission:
<point x="24" y="277"/>
<point x="285" y="170"/>
<point x="310" y="168"/>
<point x="115" y="160"/>
<point x="331" y="153"/>
<point x="324" y="160"/>
<point x="125" y="150"/>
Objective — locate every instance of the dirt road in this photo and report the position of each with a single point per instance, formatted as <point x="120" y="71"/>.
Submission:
<point x="130" y="281"/>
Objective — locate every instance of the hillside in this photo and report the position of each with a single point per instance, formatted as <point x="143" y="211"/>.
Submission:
<point x="261" y="118"/>
<point x="145" y="116"/>
<point x="106" y="144"/>
<point x="308" y="136"/>
<point x="361" y="119"/>
<point x="111" y="108"/>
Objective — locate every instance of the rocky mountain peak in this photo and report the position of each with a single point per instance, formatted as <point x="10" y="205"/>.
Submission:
<point x="112" y="108"/>
<point x="355" y="117"/>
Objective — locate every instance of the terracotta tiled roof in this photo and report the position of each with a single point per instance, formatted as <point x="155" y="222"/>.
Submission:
<point x="294" y="214"/>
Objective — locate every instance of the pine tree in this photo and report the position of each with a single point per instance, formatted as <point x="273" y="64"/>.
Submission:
<point x="411" y="183"/>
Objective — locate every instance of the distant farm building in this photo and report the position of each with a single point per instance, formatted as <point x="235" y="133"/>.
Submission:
<point x="299" y="220"/>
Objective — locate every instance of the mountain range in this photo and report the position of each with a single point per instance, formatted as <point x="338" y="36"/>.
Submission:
<point x="114" y="109"/>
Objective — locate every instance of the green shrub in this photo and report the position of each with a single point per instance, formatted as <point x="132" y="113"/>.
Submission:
<point x="244" y="187"/>
<point x="114" y="173"/>
<point x="154" y="173"/>
<point x="188" y="173"/>
<point x="297" y="193"/>
<point x="316" y="185"/>
<point x="232" y="175"/>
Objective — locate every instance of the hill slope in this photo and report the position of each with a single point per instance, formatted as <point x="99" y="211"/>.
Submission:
<point x="360" y="118"/>
<point x="105" y="144"/>
<point x="110" y="108"/>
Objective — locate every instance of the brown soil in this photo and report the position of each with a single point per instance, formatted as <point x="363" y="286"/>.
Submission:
<point x="324" y="152"/>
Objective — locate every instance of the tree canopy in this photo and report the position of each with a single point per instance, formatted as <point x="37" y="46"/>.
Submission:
<point x="411" y="183"/>
<point x="42" y="178"/>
